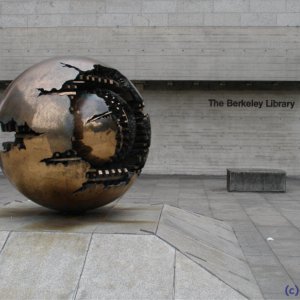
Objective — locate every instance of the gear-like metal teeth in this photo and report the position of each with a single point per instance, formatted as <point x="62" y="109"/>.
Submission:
<point x="107" y="183"/>
<point x="142" y="151"/>
<point x="142" y="138"/>
<point x="98" y="79"/>
<point x="22" y="131"/>
<point x="62" y="157"/>
<point x="118" y="111"/>
<point x="143" y="135"/>
<point x="9" y="126"/>
<point x="137" y="106"/>
<point x="67" y="154"/>
<point x="124" y="88"/>
<point x="84" y="82"/>
<point x="138" y="155"/>
<point x="98" y="175"/>
<point x="141" y="145"/>
<point x="137" y="164"/>
<point x="7" y="146"/>
<point x="139" y="116"/>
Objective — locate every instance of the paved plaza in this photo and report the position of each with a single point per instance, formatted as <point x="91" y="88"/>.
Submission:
<point x="266" y="225"/>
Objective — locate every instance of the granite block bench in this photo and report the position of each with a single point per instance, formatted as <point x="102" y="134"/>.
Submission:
<point x="256" y="180"/>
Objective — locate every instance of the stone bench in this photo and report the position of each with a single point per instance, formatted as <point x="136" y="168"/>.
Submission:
<point x="256" y="180"/>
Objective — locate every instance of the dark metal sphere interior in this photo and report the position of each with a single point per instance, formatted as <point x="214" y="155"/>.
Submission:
<point x="81" y="137"/>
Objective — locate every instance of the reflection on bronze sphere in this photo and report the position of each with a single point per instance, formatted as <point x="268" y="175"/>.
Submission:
<point x="81" y="137"/>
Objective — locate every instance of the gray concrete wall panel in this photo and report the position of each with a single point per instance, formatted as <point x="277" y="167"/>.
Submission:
<point x="151" y="39"/>
<point x="190" y="137"/>
<point x="28" y="9"/>
<point x="158" y="53"/>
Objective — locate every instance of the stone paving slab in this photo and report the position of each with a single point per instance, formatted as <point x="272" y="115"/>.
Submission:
<point x="279" y="232"/>
<point x="269" y="220"/>
<point x="41" y="265"/>
<point x="252" y="243"/>
<point x="127" y="267"/>
<point x="213" y="249"/>
<point x="292" y="216"/>
<point x="271" y="279"/>
<point x="265" y="260"/>
<point x="194" y="282"/>
<point x="283" y="247"/>
<point x="292" y="266"/>
<point x="213" y="233"/>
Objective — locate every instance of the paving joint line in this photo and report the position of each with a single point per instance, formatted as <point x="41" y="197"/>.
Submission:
<point x="83" y="265"/>
<point x="159" y="219"/>
<point x="174" y="275"/>
<point x="5" y="242"/>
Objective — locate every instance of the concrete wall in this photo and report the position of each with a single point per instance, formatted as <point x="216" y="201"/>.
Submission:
<point x="157" y="40"/>
<point x="60" y="13"/>
<point x="190" y="137"/>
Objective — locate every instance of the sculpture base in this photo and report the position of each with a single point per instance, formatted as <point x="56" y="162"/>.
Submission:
<point x="121" y="251"/>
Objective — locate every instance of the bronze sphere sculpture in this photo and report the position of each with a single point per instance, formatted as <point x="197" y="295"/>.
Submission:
<point x="81" y="136"/>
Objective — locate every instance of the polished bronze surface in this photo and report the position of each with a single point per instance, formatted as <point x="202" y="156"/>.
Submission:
<point x="81" y="137"/>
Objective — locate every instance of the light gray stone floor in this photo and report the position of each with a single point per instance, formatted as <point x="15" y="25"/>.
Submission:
<point x="165" y="253"/>
<point x="267" y="225"/>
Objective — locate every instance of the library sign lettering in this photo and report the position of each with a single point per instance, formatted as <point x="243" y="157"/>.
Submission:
<point x="251" y="103"/>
